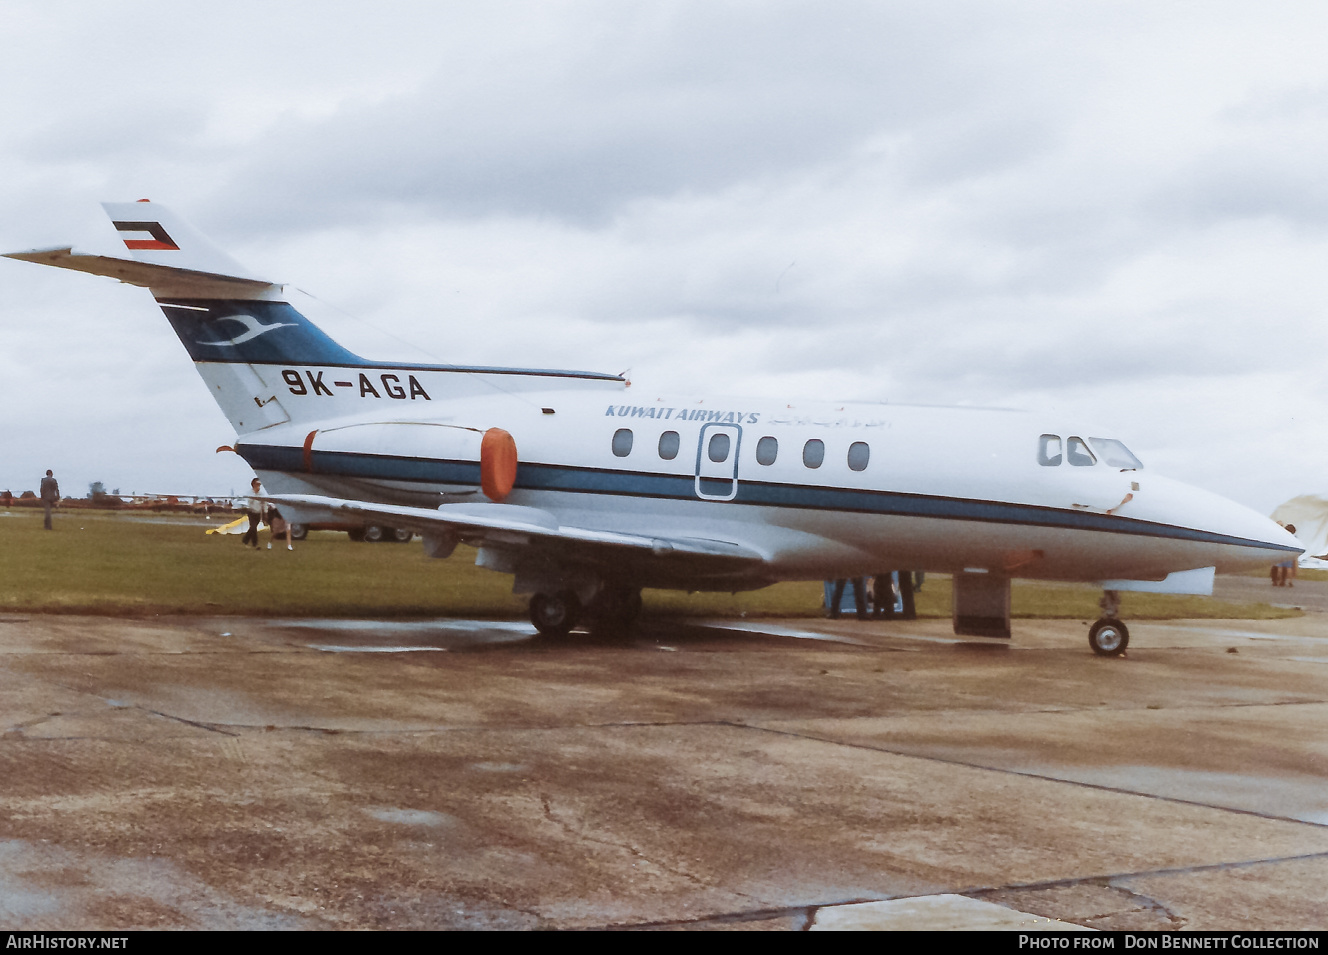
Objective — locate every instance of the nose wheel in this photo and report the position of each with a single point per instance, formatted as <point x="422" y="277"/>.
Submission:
<point x="1108" y="636"/>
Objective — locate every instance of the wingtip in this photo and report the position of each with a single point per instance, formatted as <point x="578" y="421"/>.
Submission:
<point x="36" y="255"/>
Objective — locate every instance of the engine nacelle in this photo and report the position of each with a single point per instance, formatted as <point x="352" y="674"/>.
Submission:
<point x="483" y="459"/>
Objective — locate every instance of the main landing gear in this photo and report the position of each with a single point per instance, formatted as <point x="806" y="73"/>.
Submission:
<point x="611" y="612"/>
<point x="555" y="614"/>
<point x="1108" y="636"/>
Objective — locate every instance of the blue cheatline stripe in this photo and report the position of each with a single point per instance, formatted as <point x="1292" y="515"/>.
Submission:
<point x="555" y="477"/>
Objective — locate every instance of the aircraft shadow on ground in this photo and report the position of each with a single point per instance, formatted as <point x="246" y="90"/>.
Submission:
<point x="474" y="636"/>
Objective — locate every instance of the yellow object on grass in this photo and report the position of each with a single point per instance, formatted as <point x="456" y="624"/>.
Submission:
<point x="234" y="527"/>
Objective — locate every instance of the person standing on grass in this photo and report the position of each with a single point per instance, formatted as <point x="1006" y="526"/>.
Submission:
<point x="1283" y="571"/>
<point x="50" y="495"/>
<point x="253" y="509"/>
<point x="279" y="525"/>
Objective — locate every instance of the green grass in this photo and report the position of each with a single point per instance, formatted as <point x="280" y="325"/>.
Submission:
<point x="118" y="564"/>
<point x="1302" y="573"/>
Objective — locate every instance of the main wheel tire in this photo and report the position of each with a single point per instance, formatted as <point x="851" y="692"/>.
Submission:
<point x="299" y="532"/>
<point x="356" y="535"/>
<point x="1108" y="637"/>
<point x="373" y="533"/>
<point x="401" y="535"/>
<point x="554" y="615"/>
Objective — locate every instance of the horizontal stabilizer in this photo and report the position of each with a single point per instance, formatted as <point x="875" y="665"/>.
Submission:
<point x="164" y="280"/>
<point x="517" y="525"/>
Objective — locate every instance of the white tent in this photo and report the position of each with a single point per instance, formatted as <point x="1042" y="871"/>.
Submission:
<point x="1309" y="513"/>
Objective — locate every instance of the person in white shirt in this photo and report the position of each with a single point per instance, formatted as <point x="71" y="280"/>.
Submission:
<point x="253" y="509"/>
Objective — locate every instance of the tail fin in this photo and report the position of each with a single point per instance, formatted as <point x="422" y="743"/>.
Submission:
<point x="220" y="311"/>
<point x="154" y="234"/>
<point x="231" y="323"/>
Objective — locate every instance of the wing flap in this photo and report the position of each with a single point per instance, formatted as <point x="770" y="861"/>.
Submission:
<point x="515" y="524"/>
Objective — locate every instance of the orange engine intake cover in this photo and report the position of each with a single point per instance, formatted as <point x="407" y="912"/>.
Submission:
<point x="497" y="464"/>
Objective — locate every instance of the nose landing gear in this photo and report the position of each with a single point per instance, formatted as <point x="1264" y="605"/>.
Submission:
<point x="1108" y="636"/>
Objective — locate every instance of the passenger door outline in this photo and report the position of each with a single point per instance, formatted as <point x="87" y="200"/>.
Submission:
<point x="718" y="480"/>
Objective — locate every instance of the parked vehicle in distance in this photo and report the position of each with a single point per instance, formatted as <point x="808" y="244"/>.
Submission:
<point x="372" y="533"/>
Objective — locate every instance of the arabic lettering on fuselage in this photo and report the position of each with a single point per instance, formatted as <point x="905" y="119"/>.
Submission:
<point x="724" y="416"/>
<point x="683" y="414"/>
<point x="820" y="421"/>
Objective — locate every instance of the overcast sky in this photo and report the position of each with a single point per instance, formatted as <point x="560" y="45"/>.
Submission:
<point x="1116" y="210"/>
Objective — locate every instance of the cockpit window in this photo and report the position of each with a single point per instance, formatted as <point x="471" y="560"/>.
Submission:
<point x="1115" y="454"/>
<point x="1076" y="450"/>
<point x="1049" y="450"/>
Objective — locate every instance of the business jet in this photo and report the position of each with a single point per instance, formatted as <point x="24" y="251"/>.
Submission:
<point x="586" y="491"/>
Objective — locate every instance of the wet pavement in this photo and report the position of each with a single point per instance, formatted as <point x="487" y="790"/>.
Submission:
<point x="238" y="773"/>
<point x="1303" y="593"/>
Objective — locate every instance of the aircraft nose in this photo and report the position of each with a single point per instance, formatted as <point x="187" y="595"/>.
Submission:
<point x="1235" y="537"/>
<point x="1237" y="520"/>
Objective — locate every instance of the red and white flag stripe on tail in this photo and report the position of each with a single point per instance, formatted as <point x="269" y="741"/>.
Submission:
<point x="160" y="238"/>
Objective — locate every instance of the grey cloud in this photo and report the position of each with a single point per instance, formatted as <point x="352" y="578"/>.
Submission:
<point x="1267" y="164"/>
<point x="130" y="132"/>
<point x="642" y="108"/>
<point x="1248" y="185"/>
<point x="983" y="202"/>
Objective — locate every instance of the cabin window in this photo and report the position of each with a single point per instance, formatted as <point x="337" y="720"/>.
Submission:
<point x="767" y="449"/>
<point x="813" y="453"/>
<point x="622" y="442"/>
<point x="858" y="456"/>
<point x="668" y="445"/>
<point x="1115" y="454"/>
<point x="1076" y="451"/>
<point x="1049" y="450"/>
<point x="718" y="450"/>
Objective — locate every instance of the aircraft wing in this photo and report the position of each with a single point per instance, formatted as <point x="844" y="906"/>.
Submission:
<point x="516" y="525"/>
<point x="176" y="280"/>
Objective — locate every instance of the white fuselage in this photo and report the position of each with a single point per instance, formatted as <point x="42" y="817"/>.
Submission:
<point x="938" y="489"/>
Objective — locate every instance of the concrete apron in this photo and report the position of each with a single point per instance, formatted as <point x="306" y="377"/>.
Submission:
<point x="241" y="773"/>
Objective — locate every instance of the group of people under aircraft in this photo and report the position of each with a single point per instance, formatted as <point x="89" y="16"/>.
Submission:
<point x="886" y="595"/>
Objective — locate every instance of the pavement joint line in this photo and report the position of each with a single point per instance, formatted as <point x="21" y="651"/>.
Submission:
<point x="1176" y="921"/>
<point x="766" y="725"/>
<point x="16" y="738"/>
<point x="1107" y="880"/>
<point x="188" y="722"/>
<point x="1028" y="775"/>
<point x="546" y="804"/>
<point x="149" y="653"/>
<point x="810" y="910"/>
<point x="38" y="721"/>
<point x="212" y="728"/>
